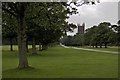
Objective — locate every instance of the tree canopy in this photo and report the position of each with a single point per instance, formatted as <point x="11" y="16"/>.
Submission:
<point x="101" y="35"/>
<point x="29" y="19"/>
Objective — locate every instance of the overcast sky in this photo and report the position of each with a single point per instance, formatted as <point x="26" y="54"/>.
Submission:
<point x="105" y="11"/>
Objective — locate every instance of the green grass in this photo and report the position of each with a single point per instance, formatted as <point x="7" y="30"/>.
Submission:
<point x="59" y="62"/>
<point x="106" y="49"/>
<point x="15" y="47"/>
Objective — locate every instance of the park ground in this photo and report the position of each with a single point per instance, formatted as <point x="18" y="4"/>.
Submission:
<point x="60" y="62"/>
<point x="110" y="48"/>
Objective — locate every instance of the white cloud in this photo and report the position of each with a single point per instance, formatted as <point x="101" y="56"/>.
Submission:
<point x="88" y="10"/>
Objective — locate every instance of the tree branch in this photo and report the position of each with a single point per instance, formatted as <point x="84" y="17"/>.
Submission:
<point x="8" y="11"/>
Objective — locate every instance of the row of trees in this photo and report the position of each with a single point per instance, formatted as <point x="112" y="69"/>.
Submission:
<point x="41" y="23"/>
<point x="102" y="35"/>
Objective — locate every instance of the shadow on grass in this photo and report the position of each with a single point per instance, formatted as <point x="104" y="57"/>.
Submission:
<point x="46" y="54"/>
<point x="16" y="73"/>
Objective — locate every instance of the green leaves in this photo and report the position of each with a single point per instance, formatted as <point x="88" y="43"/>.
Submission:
<point x="8" y="27"/>
<point x="100" y="34"/>
<point x="41" y="18"/>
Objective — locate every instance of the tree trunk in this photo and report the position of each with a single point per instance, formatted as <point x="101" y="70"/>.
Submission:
<point x="105" y="45"/>
<point x="96" y="46"/>
<point x="44" y="47"/>
<point x="40" y="47"/>
<point x="100" y="45"/>
<point x="11" y="45"/>
<point x="27" y="46"/>
<point x="33" y="47"/>
<point x="23" y="62"/>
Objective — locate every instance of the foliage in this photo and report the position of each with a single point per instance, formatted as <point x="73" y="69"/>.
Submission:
<point x="8" y="27"/>
<point x="100" y="35"/>
<point x="116" y="28"/>
<point x="51" y="17"/>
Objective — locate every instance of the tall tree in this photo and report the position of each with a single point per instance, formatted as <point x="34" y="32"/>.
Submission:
<point x="53" y="17"/>
<point x="104" y="33"/>
<point x="100" y="35"/>
<point x="18" y="10"/>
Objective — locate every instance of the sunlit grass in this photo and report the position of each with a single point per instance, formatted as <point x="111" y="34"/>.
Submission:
<point x="15" y="47"/>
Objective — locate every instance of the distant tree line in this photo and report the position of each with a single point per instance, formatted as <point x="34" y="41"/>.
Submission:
<point x="102" y="35"/>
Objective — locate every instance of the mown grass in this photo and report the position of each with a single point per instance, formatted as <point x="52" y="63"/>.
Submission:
<point x="103" y="48"/>
<point x="59" y="62"/>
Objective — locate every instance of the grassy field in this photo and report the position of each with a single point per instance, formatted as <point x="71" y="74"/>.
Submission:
<point x="59" y="62"/>
<point x="106" y="49"/>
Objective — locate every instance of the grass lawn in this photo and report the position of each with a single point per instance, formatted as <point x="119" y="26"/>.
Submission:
<point x="106" y="49"/>
<point x="59" y="62"/>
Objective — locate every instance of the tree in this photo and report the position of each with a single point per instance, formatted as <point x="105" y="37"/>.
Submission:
<point x="32" y="33"/>
<point x="104" y="33"/>
<point x="78" y="40"/>
<point x="116" y="28"/>
<point x="99" y="35"/>
<point x="67" y="40"/>
<point x="18" y="10"/>
<point x="90" y="36"/>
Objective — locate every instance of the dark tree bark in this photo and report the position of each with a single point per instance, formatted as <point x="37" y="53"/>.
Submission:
<point x="27" y="46"/>
<point x="96" y="46"/>
<point x="100" y="45"/>
<point x="33" y="47"/>
<point x="40" y="47"/>
<point x="105" y="45"/>
<point x="44" y="47"/>
<point x="11" y="45"/>
<point x="23" y="62"/>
